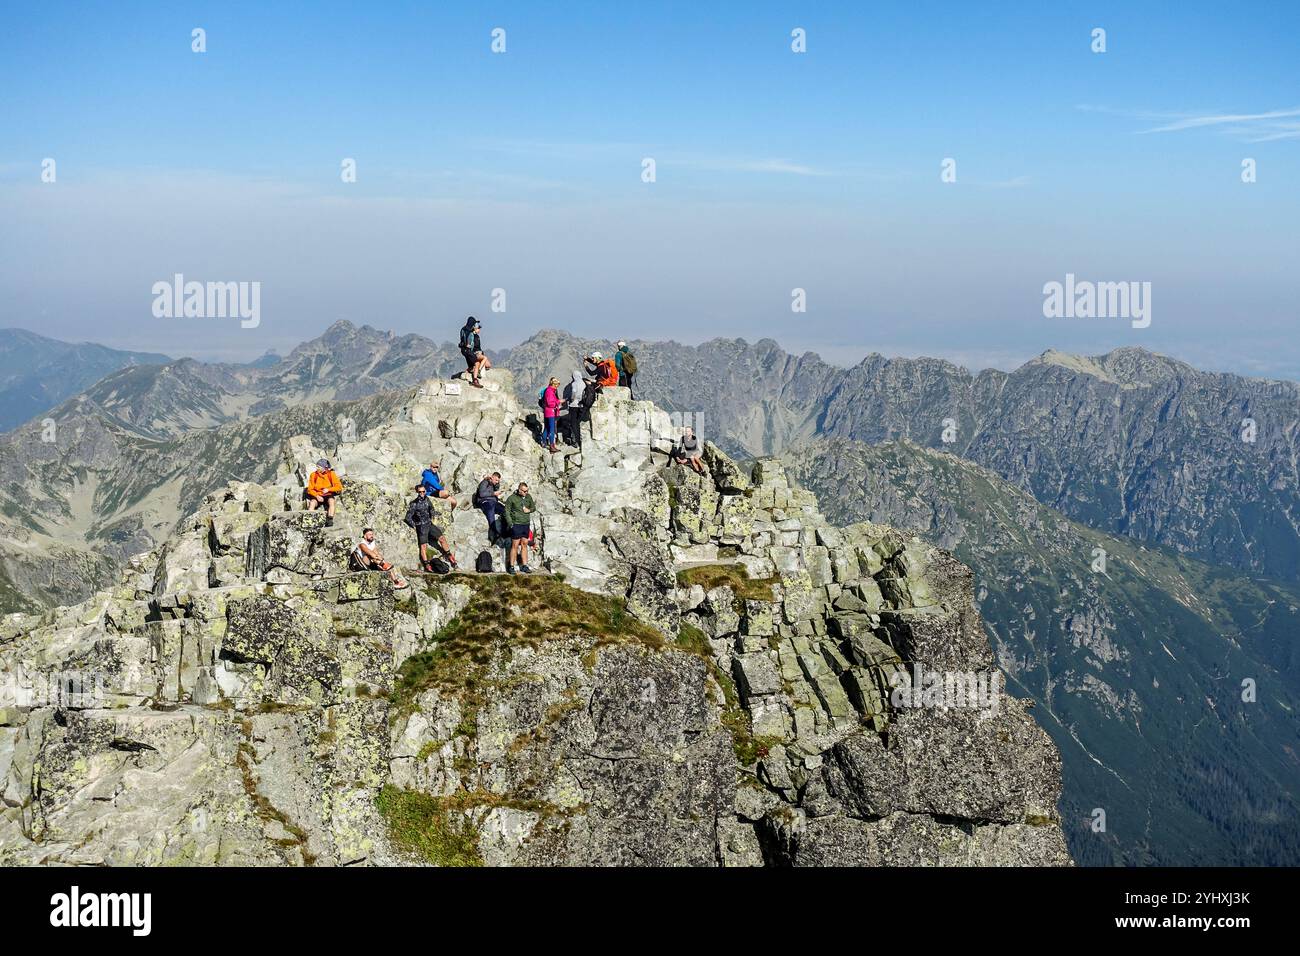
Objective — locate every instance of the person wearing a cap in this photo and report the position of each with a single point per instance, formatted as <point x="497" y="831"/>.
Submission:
<point x="323" y="486"/>
<point x="471" y="347"/>
<point x="602" y="369"/>
<point x="626" y="365"/>
<point x="432" y="483"/>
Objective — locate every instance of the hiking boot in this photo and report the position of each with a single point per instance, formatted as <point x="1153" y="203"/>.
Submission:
<point x="329" y="522"/>
<point x="510" y="569"/>
<point x="525" y="569"/>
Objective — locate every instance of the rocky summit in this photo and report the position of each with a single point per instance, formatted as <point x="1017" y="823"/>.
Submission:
<point x="703" y="671"/>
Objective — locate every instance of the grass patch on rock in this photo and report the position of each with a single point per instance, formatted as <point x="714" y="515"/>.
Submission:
<point x="734" y="576"/>
<point x="511" y="611"/>
<point x="429" y="827"/>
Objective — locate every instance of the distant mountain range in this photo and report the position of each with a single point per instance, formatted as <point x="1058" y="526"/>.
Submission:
<point x="1187" y="480"/>
<point x="1129" y="442"/>
<point x="37" y="373"/>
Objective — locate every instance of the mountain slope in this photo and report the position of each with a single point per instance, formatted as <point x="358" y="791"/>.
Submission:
<point x="36" y="373"/>
<point x="240" y="697"/>
<point x="1137" y="669"/>
<point x="1129" y="442"/>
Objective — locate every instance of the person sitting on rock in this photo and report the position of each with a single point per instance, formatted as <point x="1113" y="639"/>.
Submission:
<point x="366" y="556"/>
<point x="687" y="451"/>
<point x="471" y="347"/>
<point x="519" y="515"/>
<point x="323" y="486"/>
<point x="602" y="369"/>
<point x="432" y="482"/>
<point x="419" y="517"/>
<point x="487" y="498"/>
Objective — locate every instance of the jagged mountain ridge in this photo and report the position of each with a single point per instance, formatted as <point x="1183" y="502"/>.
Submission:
<point x="1129" y="442"/>
<point x="36" y="373"/>
<point x="1137" y="669"/>
<point x="252" y="703"/>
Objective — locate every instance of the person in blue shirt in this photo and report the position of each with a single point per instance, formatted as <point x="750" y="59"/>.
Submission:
<point x="432" y="482"/>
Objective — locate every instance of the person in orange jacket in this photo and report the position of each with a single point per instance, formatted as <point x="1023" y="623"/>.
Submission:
<point x="323" y="486"/>
<point x="602" y="369"/>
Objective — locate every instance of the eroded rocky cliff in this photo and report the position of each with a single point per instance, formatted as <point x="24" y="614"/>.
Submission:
<point x="701" y="676"/>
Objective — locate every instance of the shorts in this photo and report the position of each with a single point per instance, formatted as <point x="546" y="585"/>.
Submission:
<point x="519" y="531"/>
<point x="427" y="533"/>
<point x="325" y="495"/>
<point x="471" y="358"/>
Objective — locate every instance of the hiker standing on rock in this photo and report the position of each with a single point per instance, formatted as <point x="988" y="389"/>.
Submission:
<point x="519" y="516"/>
<point x="487" y="498"/>
<point x="366" y="556"/>
<point x="573" y="393"/>
<point x="551" y="404"/>
<point x="471" y="347"/>
<point x="419" y="517"/>
<point x="688" y="450"/>
<point x="432" y="482"/>
<point x="625" y="362"/>
<point x="323" y="486"/>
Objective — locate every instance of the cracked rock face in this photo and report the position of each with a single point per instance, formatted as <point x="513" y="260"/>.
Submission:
<point x="714" y="680"/>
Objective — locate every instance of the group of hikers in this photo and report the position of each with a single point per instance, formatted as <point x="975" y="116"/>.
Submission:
<point x="509" y="522"/>
<point x="571" y="403"/>
<point x="509" y="515"/>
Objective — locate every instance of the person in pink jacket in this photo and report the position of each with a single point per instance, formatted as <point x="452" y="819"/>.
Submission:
<point x="551" y="404"/>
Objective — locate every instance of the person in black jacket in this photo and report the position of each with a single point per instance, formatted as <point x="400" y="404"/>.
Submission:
<point x="471" y="347"/>
<point x="487" y="499"/>
<point x="419" y="517"/>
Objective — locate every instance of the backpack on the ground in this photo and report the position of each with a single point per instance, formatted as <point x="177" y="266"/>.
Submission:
<point x="354" y="563"/>
<point x="439" y="566"/>
<point x="629" y="363"/>
<point x="483" y="563"/>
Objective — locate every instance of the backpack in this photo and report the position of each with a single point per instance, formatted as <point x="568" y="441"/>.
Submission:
<point x="629" y="363"/>
<point x="483" y="564"/>
<point x="541" y="398"/>
<point x="466" y="337"/>
<point x="440" y="566"/>
<point x="589" y="394"/>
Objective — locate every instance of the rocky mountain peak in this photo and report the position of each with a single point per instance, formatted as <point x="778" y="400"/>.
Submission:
<point x="701" y="674"/>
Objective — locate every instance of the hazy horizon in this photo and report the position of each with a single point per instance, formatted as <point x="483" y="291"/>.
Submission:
<point x="775" y="171"/>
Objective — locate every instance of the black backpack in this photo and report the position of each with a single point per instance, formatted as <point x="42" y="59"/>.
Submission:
<point x="439" y="566"/>
<point x="467" y="337"/>
<point x="483" y="564"/>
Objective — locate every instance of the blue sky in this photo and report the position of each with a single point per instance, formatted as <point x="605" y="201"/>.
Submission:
<point x="775" y="170"/>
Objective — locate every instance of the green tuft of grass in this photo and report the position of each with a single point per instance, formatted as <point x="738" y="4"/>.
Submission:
<point x="430" y="827"/>
<point x="734" y="576"/>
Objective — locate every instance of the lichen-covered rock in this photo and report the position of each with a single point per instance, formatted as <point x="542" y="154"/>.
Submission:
<point x="720" y="679"/>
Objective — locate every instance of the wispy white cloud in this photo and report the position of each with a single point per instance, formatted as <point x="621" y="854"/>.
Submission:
<point x="1250" y="127"/>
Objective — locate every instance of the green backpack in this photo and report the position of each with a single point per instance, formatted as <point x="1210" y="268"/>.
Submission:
<point x="629" y="363"/>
